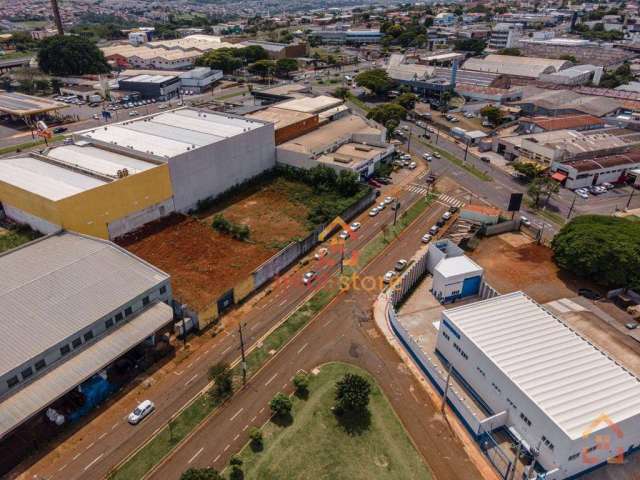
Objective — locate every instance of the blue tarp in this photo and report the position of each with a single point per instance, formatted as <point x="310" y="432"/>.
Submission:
<point x="95" y="390"/>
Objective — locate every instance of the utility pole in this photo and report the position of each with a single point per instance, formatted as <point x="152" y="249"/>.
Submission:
<point x="184" y="325"/>
<point x="409" y="141"/>
<point x="437" y="132"/>
<point x="395" y="212"/>
<point x="342" y="259"/>
<point x="572" y="204"/>
<point x="446" y="389"/>
<point x="466" y="151"/>
<point x="631" y="196"/>
<point x="56" y="16"/>
<point x="244" y="363"/>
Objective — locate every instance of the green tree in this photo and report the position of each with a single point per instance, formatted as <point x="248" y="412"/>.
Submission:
<point x="603" y="249"/>
<point x="301" y="383"/>
<point x="206" y="473"/>
<point x="391" y="126"/>
<point x="255" y="435"/>
<point x="377" y="81"/>
<point x="352" y="393"/>
<point x="220" y="59"/>
<point x="407" y="100"/>
<point x="285" y="66"/>
<point x="542" y="187"/>
<point x="528" y="169"/>
<point x="347" y="183"/>
<point x="280" y="405"/>
<point x="222" y="376"/>
<point x="56" y="85"/>
<point x="515" y="52"/>
<point x="251" y="53"/>
<point x="387" y="111"/>
<point x="264" y="68"/>
<point x="70" y="55"/>
<point x="236" y="468"/>
<point x="472" y="45"/>
<point x="341" y="92"/>
<point x="492" y="114"/>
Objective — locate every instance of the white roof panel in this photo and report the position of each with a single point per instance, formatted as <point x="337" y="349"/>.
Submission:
<point x="571" y="380"/>
<point x="98" y="160"/>
<point x="45" y="179"/>
<point x="461" y="265"/>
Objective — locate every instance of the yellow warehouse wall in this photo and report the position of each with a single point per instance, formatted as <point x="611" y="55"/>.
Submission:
<point x="207" y="316"/>
<point x="31" y="203"/>
<point x="90" y="212"/>
<point x="242" y="289"/>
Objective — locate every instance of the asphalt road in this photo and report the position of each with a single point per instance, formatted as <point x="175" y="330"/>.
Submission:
<point x="343" y="331"/>
<point x="104" y="440"/>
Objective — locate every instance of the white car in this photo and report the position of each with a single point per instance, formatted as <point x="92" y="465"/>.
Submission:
<point x="309" y="277"/>
<point x="374" y="211"/>
<point x="446" y="215"/>
<point x="525" y="221"/>
<point x="413" y="165"/>
<point x="584" y="195"/>
<point x="390" y="275"/>
<point x="401" y="264"/>
<point x="355" y="226"/>
<point x="141" y="411"/>
<point x="388" y="200"/>
<point x="426" y="238"/>
<point x="344" y="235"/>
<point x="427" y="157"/>
<point x="321" y="253"/>
<point x="381" y="206"/>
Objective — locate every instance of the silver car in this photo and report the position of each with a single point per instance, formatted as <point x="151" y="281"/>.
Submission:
<point x="140" y="412"/>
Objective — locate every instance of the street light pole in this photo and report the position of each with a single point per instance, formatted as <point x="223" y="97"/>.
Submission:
<point x="244" y="363"/>
<point x="572" y="204"/>
<point x="631" y="196"/>
<point x="395" y="212"/>
<point x="342" y="259"/>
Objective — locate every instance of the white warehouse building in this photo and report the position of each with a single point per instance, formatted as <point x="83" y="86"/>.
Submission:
<point x="568" y="403"/>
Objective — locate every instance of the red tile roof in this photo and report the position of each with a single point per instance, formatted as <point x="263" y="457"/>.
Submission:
<point x="565" y="122"/>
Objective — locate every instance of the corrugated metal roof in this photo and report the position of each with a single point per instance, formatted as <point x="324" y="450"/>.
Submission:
<point x="36" y="395"/>
<point x="568" y="378"/>
<point x="98" y="160"/>
<point x="52" y="288"/>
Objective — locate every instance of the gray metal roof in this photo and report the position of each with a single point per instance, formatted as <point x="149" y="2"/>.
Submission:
<point x="56" y="286"/>
<point x="31" y="399"/>
<point x="567" y="377"/>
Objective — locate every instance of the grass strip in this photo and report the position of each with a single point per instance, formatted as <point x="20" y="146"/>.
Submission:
<point x="26" y="145"/>
<point x="357" y="102"/>
<point x="318" y="444"/>
<point x="165" y="440"/>
<point x="229" y="95"/>
<point x="456" y="161"/>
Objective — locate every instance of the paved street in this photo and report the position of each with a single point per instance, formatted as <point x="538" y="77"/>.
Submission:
<point x="344" y="331"/>
<point x="105" y="439"/>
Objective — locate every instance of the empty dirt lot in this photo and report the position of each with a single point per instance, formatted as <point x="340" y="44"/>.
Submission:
<point x="513" y="262"/>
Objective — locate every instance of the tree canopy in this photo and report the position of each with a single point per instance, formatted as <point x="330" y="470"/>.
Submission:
<point x="407" y="100"/>
<point x="542" y="188"/>
<point x="492" y="113"/>
<point x="207" y="473"/>
<point x="230" y="59"/>
<point x="285" y="66"/>
<point x="280" y="404"/>
<point x="70" y="55"/>
<point x="473" y="45"/>
<point x="352" y="393"/>
<point x="528" y="169"/>
<point x="387" y="111"/>
<point x="376" y="80"/>
<point x="601" y="248"/>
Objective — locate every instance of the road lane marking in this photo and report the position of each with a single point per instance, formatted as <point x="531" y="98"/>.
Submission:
<point x="197" y="358"/>
<point x="237" y="413"/>
<point x="190" y="380"/>
<point x="283" y="302"/>
<point x="93" y="462"/>
<point x="226" y="349"/>
<point x="261" y="410"/>
<point x="271" y="379"/>
<point x="189" y="366"/>
<point x="76" y="457"/>
<point x="245" y="427"/>
<point x="216" y="459"/>
<point x="102" y="436"/>
<point x="303" y="347"/>
<point x="226" y="448"/>
<point x="114" y="426"/>
<point x="62" y="467"/>
<point x="197" y="453"/>
<point x="236" y="437"/>
<point x="253" y="419"/>
<point x="284" y="385"/>
<point x="178" y="373"/>
<point x="90" y="445"/>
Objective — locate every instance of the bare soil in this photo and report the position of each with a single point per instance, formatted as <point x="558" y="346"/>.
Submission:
<point x="202" y="263"/>
<point x="512" y="263"/>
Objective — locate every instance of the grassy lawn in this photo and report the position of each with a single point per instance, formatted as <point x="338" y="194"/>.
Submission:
<point x="455" y="160"/>
<point x="15" y="237"/>
<point x="229" y="95"/>
<point x="165" y="441"/>
<point x="317" y="446"/>
<point x="31" y="144"/>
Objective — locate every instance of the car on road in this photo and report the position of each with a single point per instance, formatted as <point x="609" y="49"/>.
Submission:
<point x="608" y="185"/>
<point x="374" y="211"/>
<point x="588" y="293"/>
<point x="390" y="275"/>
<point x="309" y="277"/>
<point x="440" y="222"/>
<point x="381" y="206"/>
<point x="344" y="235"/>
<point x="140" y="412"/>
<point x="525" y="221"/>
<point x="453" y="209"/>
<point x="427" y="157"/>
<point x="355" y="226"/>
<point x="485" y="159"/>
<point x="582" y="194"/>
<point x="413" y="165"/>
<point x="632" y="325"/>
<point x="373" y="183"/>
<point x="133" y="113"/>
<point x="321" y="253"/>
<point x="401" y="265"/>
<point x="433" y="230"/>
<point x="383" y="180"/>
<point x="436" y="154"/>
<point x="421" y="124"/>
<point x="446" y="215"/>
<point x="468" y="115"/>
<point x="60" y="129"/>
<point x="388" y="200"/>
<point x="426" y="238"/>
<point x="405" y="128"/>
<point x="161" y="107"/>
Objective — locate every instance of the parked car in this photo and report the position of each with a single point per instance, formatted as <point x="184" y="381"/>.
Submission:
<point x="390" y="275"/>
<point x="426" y="238"/>
<point x="631" y="325"/>
<point x="525" y="221"/>
<point x="355" y="226"/>
<point x="405" y="157"/>
<point x="413" y="165"/>
<point x="440" y="222"/>
<point x="453" y="209"/>
<point x="140" y="412"/>
<point x="485" y="159"/>
<point x="436" y="154"/>
<point x="309" y="277"/>
<point x="608" y="185"/>
<point x="374" y="211"/>
<point x="427" y="157"/>
<point x="446" y="215"/>
<point x="321" y="253"/>
<point x="344" y="235"/>
<point x="60" y="129"/>
<point x="381" y="206"/>
<point x="433" y="230"/>
<point x="401" y="265"/>
<point x="468" y="115"/>
<point x="588" y="293"/>
<point x="373" y="183"/>
<point x="582" y="194"/>
<point x="388" y="200"/>
<point x="383" y="180"/>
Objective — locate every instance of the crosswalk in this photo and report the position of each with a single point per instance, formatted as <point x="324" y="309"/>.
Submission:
<point x="421" y="175"/>
<point x="449" y="200"/>
<point x="416" y="188"/>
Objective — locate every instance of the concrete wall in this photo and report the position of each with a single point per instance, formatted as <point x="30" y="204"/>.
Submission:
<point x="126" y="224"/>
<point x="211" y="170"/>
<point x="295" y="130"/>
<point x="36" y="223"/>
